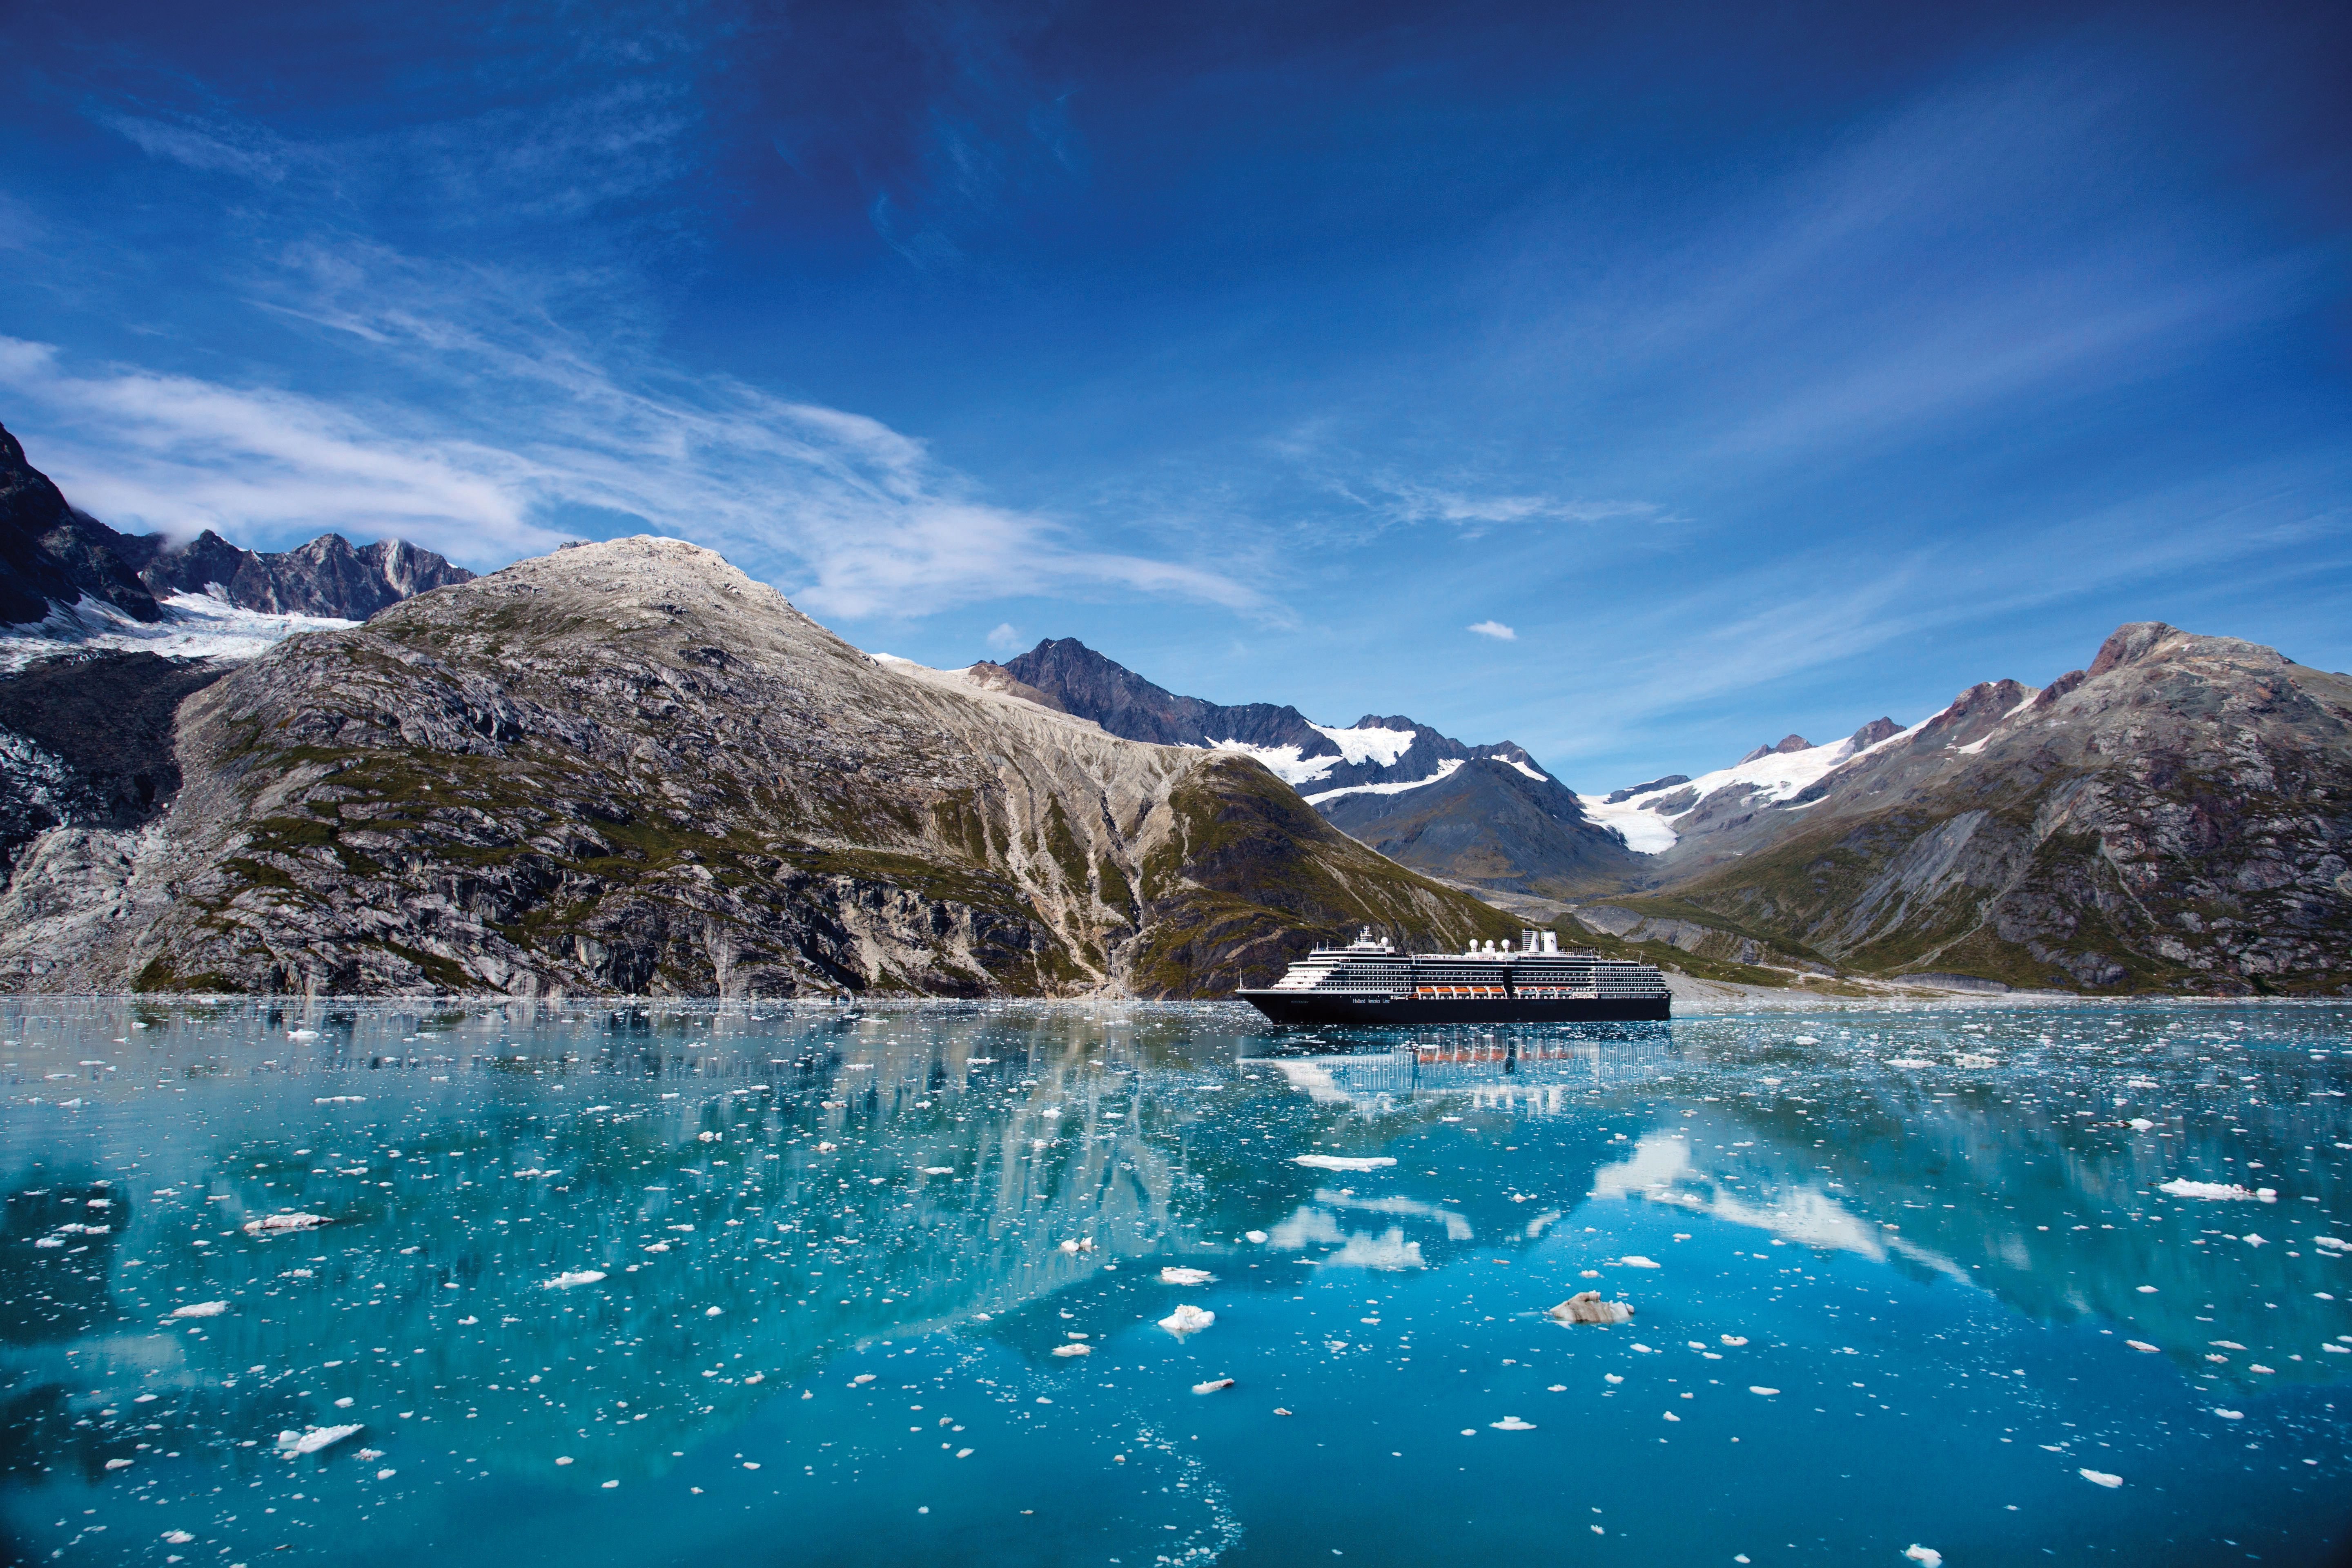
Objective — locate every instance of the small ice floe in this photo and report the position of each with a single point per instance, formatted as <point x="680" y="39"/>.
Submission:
<point x="861" y="1377"/>
<point x="1587" y="1307"/>
<point x="1084" y="1243"/>
<point x="341" y="1100"/>
<point x="1975" y="1059"/>
<point x="1255" y="1238"/>
<point x="2144" y="1289"/>
<point x="2230" y="1415"/>
<point x="2335" y="1242"/>
<point x="1073" y="1350"/>
<point x="1512" y="1424"/>
<point x="312" y="1439"/>
<point x="569" y="1277"/>
<point x="1610" y="1377"/>
<point x="178" y="1537"/>
<point x="2251" y="1239"/>
<point x="706" y="1311"/>
<point x="369" y="1454"/>
<point x="1759" y="1388"/>
<point x="826" y="1148"/>
<point x="1213" y="1385"/>
<point x="1735" y="1341"/>
<point x="939" y="1170"/>
<point x="270" y="1224"/>
<point x="2141" y="1345"/>
<point x="1636" y="1260"/>
<point x="1908" y="1062"/>
<point x="1926" y="1556"/>
<point x="301" y="1034"/>
<point x="385" y="1475"/>
<point x="1173" y="1276"/>
<point x="2187" y="1189"/>
<point x="2101" y="1477"/>
<point x="1342" y="1161"/>
<point x="656" y="1246"/>
<point x="49" y="1241"/>
<point x="2140" y="1125"/>
<point x="1187" y="1320"/>
<point x="1804" y="1040"/>
<point x="201" y="1310"/>
<point x="118" y="1464"/>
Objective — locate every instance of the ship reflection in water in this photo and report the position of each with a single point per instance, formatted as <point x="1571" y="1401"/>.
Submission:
<point x="656" y="1283"/>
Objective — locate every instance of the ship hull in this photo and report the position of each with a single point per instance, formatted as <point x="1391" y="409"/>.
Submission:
<point x="1375" y="1012"/>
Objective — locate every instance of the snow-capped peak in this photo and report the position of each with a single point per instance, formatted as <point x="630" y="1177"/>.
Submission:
<point x="1773" y="778"/>
<point x="1370" y="744"/>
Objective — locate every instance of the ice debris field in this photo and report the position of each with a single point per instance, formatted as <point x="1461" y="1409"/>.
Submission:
<point x="1164" y="1285"/>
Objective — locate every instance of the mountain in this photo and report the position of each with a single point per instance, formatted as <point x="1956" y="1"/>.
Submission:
<point x="2176" y="816"/>
<point x="1480" y="816"/>
<point x="54" y="558"/>
<point x="628" y="768"/>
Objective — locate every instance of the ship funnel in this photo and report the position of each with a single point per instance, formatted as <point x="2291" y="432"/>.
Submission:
<point x="1552" y="941"/>
<point x="1526" y="941"/>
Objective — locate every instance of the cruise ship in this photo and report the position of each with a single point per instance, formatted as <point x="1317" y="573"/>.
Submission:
<point x="1368" y="982"/>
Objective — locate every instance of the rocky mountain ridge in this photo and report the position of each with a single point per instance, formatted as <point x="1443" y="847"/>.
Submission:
<point x="628" y="768"/>
<point x="1482" y="816"/>
<point x="53" y="557"/>
<point x="2177" y="816"/>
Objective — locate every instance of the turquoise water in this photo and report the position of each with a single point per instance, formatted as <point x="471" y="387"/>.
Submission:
<point x="1886" y="1271"/>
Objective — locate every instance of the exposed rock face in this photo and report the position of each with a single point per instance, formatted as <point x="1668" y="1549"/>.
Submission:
<point x="627" y="768"/>
<point x="52" y="556"/>
<point x="1488" y="825"/>
<point x="1422" y="798"/>
<point x="86" y="742"/>
<point x="2178" y="815"/>
<point x="1788" y="744"/>
<point x="326" y="577"/>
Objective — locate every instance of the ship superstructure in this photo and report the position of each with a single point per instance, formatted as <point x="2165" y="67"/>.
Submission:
<point x="1368" y="982"/>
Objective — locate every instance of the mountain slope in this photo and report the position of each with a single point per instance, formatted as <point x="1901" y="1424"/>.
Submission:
<point x="627" y="767"/>
<point x="1420" y="797"/>
<point x="2177" y="816"/>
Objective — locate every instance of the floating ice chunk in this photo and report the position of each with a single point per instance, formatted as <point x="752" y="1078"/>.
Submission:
<point x="178" y="1537"/>
<point x="270" y="1223"/>
<point x="2141" y="1345"/>
<point x="1512" y="1424"/>
<point x="1084" y="1243"/>
<point x="2101" y="1477"/>
<point x="1587" y="1307"/>
<point x="569" y="1277"/>
<point x="2188" y="1189"/>
<point x="706" y="1311"/>
<point x="656" y="1246"/>
<point x="939" y="1170"/>
<point x="861" y="1377"/>
<point x="1073" y="1350"/>
<point x="301" y="1034"/>
<point x="1926" y="1556"/>
<point x="1172" y="1276"/>
<point x="826" y="1148"/>
<point x="1342" y="1161"/>
<point x="2251" y="1239"/>
<point x="385" y="1475"/>
<point x="2230" y="1415"/>
<point x="1804" y="1040"/>
<point x="2336" y="1242"/>
<point x="1759" y="1388"/>
<point x="1213" y="1385"/>
<point x="1636" y="1260"/>
<point x="1187" y="1320"/>
<point x="1641" y="1349"/>
<point x="2144" y="1289"/>
<point x="341" y="1100"/>
<point x="1255" y="1238"/>
<point x="1610" y="1377"/>
<point x="201" y="1310"/>
<point x="1908" y="1062"/>
<point x="50" y="1241"/>
<point x="2141" y="1124"/>
<point x="118" y="1464"/>
<point x="1734" y="1339"/>
<point x="312" y="1439"/>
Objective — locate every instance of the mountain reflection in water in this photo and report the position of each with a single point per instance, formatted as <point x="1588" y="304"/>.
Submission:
<point x="576" y="1251"/>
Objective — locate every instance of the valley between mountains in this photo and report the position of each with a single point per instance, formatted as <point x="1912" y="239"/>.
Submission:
<point x="627" y="768"/>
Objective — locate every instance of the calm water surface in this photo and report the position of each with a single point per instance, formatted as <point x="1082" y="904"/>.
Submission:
<point x="744" y="1285"/>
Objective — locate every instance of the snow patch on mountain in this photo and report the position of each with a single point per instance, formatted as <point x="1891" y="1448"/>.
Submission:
<point x="1445" y="770"/>
<point x="1771" y="779"/>
<point x="1531" y="773"/>
<point x="1283" y="762"/>
<point x="195" y="626"/>
<point x="1374" y="745"/>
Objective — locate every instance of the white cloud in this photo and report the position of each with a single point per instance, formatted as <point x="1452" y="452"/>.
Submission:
<point x="1497" y="630"/>
<point x="1005" y="638"/>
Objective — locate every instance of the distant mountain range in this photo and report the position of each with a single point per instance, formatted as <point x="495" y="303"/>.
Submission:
<point x="59" y="565"/>
<point x="1482" y="816"/>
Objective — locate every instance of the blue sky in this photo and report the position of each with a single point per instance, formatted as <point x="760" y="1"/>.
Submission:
<point x="1637" y="383"/>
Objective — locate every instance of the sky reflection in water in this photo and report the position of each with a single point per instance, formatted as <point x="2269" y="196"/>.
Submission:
<point x="1888" y="1269"/>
